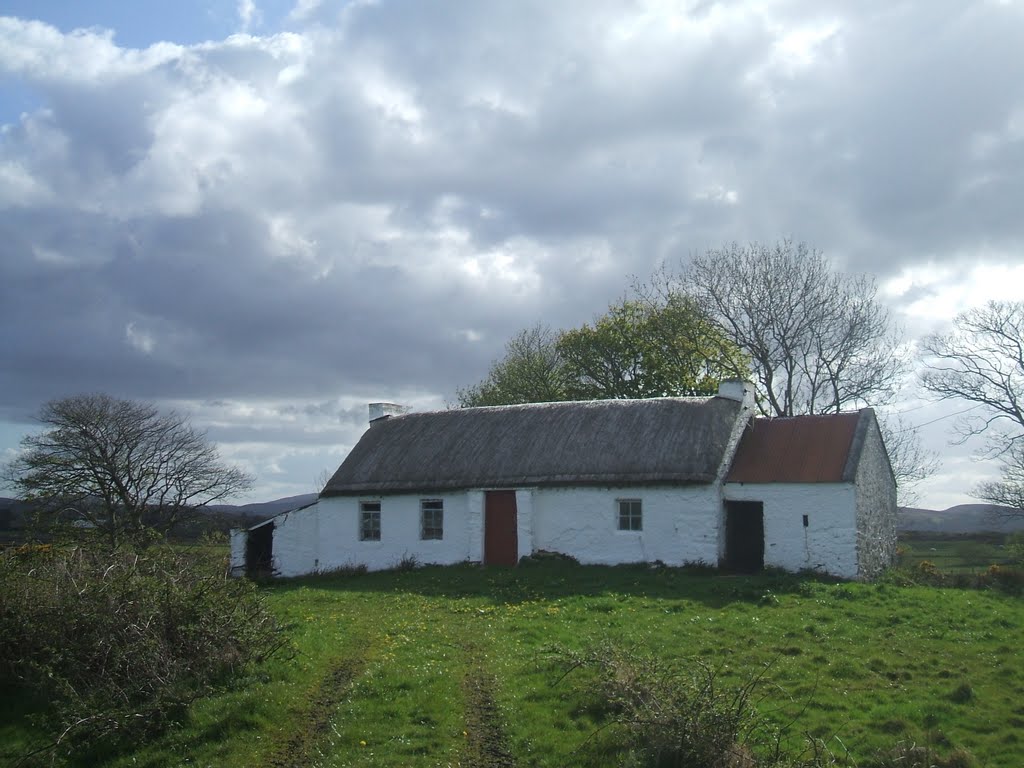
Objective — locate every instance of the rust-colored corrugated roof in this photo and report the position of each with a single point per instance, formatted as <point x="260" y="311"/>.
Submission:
<point x="801" y="449"/>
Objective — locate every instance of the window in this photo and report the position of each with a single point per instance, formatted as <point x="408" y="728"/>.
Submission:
<point x="369" y="521"/>
<point x="630" y="515"/>
<point x="431" y="519"/>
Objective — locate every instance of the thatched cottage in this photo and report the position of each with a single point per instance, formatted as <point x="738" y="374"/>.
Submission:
<point x="673" y="480"/>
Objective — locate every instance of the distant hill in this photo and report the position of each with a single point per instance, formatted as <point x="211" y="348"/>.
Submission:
<point x="963" y="518"/>
<point x="14" y="513"/>
<point x="266" y="509"/>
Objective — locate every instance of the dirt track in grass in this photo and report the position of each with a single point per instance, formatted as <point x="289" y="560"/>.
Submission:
<point x="486" y="743"/>
<point x="301" y="748"/>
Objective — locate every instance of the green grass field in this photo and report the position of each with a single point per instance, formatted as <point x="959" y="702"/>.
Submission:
<point x="463" y="666"/>
<point x="955" y="553"/>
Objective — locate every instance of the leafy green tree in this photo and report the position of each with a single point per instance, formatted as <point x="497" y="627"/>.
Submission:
<point x="636" y="349"/>
<point x="640" y="349"/>
<point x="532" y="371"/>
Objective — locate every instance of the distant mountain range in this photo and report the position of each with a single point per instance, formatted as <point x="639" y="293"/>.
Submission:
<point x="13" y="513"/>
<point x="963" y="518"/>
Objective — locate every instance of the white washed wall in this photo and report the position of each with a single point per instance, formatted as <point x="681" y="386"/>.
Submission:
<point x="238" y="540"/>
<point x="828" y="543"/>
<point x="680" y="524"/>
<point x="326" y="535"/>
<point x="524" y="522"/>
<point x="296" y="538"/>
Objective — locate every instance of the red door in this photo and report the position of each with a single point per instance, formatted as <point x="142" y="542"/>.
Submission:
<point x="501" y="542"/>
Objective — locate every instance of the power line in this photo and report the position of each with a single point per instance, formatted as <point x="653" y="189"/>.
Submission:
<point x="940" y="418"/>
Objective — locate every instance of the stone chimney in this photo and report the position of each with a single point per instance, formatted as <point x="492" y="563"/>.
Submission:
<point x="738" y="390"/>
<point x="384" y="410"/>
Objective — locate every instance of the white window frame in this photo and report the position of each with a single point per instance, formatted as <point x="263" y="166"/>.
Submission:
<point x="432" y="506"/>
<point x="369" y="508"/>
<point x="630" y="511"/>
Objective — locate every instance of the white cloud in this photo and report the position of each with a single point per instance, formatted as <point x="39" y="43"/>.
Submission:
<point x="933" y="294"/>
<point x="18" y="187"/>
<point x="139" y="339"/>
<point x="371" y="202"/>
<point x="249" y="15"/>
<point x="38" y="50"/>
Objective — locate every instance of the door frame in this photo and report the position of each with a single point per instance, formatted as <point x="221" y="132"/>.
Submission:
<point x="744" y="536"/>
<point x="501" y="536"/>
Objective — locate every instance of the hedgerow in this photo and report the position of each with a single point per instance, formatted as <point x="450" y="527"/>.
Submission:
<point x="120" y="643"/>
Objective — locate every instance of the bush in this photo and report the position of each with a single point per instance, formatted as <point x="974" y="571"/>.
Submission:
<point x="1015" y="549"/>
<point x="1006" y="578"/>
<point x="120" y="643"/>
<point x="407" y="563"/>
<point x="671" y="717"/>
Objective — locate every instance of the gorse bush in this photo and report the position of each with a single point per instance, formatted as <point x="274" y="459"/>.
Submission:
<point x="119" y="643"/>
<point x="1004" y="578"/>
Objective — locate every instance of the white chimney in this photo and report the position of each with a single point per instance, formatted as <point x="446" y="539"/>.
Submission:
<point x="738" y="390"/>
<point x="383" y="410"/>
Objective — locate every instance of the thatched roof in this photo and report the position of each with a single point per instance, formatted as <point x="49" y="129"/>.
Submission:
<point x="824" y="448"/>
<point x="609" y="442"/>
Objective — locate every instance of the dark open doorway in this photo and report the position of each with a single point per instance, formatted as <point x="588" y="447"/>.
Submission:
<point x="259" y="551"/>
<point x="744" y="536"/>
<point x="501" y="540"/>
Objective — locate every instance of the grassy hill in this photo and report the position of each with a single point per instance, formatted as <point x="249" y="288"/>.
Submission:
<point x="467" y="666"/>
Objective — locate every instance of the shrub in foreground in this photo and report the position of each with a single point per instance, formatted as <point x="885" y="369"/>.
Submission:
<point x="683" y="715"/>
<point x="678" y="717"/>
<point x="120" y="643"/>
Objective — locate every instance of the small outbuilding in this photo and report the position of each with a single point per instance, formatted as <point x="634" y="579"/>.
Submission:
<point x="671" y="480"/>
<point x="811" y="493"/>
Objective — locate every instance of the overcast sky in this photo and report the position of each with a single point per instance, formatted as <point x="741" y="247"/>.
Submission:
<point x="267" y="214"/>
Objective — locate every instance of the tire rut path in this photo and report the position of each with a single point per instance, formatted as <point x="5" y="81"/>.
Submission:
<point x="302" y="748"/>
<point x="486" y="741"/>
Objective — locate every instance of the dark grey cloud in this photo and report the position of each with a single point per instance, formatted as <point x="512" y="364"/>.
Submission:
<point x="367" y="203"/>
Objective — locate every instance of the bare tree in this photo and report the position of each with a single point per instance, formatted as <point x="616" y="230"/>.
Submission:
<point x="122" y="466"/>
<point x="911" y="461"/>
<point x="322" y="478"/>
<point x="818" y="340"/>
<point x="1008" y="491"/>
<point x="981" y="361"/>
